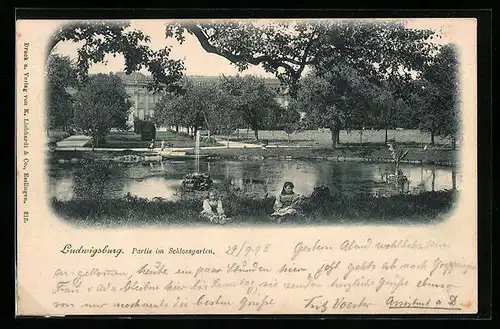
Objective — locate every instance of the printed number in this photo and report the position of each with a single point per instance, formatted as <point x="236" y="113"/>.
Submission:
<point x="453" y="300"/>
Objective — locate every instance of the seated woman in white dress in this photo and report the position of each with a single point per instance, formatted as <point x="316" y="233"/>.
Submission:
<point x="287" y="203"/>
<point x="213" y="209"/>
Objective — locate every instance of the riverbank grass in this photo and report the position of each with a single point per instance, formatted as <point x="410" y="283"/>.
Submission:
<point x="320" y="208"/>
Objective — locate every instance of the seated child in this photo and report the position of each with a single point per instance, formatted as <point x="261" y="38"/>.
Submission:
<point x="287" y="203"/>
<point x="213" y="210"/>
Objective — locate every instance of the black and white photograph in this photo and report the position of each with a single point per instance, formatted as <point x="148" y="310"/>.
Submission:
<point x="252" y="122"/>
<point x="246" y="166"/>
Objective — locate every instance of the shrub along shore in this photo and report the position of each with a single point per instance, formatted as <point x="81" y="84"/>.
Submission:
<point x="319" y="208"/>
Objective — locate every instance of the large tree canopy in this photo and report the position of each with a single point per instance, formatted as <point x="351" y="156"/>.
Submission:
<point x="100" y="38"/>
<point x="101" y="104"/>
<point x="337" y="99"/>
<point x="286" y="48"/>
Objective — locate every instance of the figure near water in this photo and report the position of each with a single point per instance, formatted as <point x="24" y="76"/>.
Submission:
<point x="287" y="203"/>
<point x="213" y="209"/>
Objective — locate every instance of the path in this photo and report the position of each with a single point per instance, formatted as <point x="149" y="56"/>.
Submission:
<point x="78" y="142"/>
<point x="236" y="145"/>
<point x="74" y="141"/>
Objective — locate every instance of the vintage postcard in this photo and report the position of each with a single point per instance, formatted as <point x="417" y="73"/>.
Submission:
<point x="246" y="166"/>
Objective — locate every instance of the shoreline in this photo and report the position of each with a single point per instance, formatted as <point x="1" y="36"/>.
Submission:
<point x="372" y="154"/>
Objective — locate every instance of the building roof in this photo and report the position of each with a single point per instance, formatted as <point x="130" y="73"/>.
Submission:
<point x="137" y="76"/>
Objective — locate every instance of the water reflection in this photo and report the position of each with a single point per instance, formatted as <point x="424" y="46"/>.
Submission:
<point x="254" y="178"/>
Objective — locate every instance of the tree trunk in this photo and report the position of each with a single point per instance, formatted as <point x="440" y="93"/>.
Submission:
<point x="361" y="136"/>
<point x="256" y="133"/>
<point x="335" y="137"/>
<point x="288" y="135"/>
<point x="177" y="129"/>
<point x="432" y="137"/>
<point x="386" y="137"/>
<point x="433" y="179"/>
<point x="453" y="178"/>
<point x="453" y="143"/>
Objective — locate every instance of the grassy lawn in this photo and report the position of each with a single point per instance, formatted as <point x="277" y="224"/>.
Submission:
<point x="129" y="139"/>
<point x="323" y="137"/>
<point x="318" y="208"/>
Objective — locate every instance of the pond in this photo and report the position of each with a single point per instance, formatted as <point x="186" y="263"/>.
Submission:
<point x="253" y="178"/>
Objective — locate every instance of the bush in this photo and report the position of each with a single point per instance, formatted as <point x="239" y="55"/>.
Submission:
<point x="138" y="126"/>
<point x="146" y="129"/>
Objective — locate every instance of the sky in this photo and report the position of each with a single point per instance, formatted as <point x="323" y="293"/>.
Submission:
<point x="199" y="62"/>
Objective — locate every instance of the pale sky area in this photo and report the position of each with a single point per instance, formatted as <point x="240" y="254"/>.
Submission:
<point x="199" y="62"/>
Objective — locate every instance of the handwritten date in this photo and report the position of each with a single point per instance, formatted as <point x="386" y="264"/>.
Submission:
<point x="245" y="249"/>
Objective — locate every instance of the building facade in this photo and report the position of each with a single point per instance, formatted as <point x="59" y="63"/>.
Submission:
<point x="143" y="100"/>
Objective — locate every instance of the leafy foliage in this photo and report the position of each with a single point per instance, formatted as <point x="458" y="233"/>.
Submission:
<point x="337" y="99"/>
<point x="439" y="94"/>
<point x="288" y="120"/>
<point x="218" y="106"/>
<point x="146" y="129"/>
<point x="286" y="48"/>
<point x="61" y="75"/>
<point x="251" y="98"/>
<point x="98" y="38"/>
<point x="101" y="104"/>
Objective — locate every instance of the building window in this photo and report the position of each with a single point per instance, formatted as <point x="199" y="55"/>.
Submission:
<point x="141" y="99"/>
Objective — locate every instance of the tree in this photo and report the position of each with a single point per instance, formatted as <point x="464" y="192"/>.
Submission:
<point x="98" y="38"/>
<point x="224" y="116"/>
<point x="169" y="111"/>
<point x="101" y="104"/>
<point x="61" y="75"/>
<point x="336" y="99"/>
<point x="288" y="120"/>
<point x="251" y="97"/>
<point x="201" y="104"/>
<point x="286" y="48"/>
<point x="440" y="95"/>
<point x="389" y="109"/>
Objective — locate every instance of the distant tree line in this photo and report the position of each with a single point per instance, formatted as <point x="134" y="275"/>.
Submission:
<point x="375" y="75"/>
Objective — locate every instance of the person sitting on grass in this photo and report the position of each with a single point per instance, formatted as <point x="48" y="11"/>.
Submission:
<point x="213" y="209"/>
<point x="287" y="203"/>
